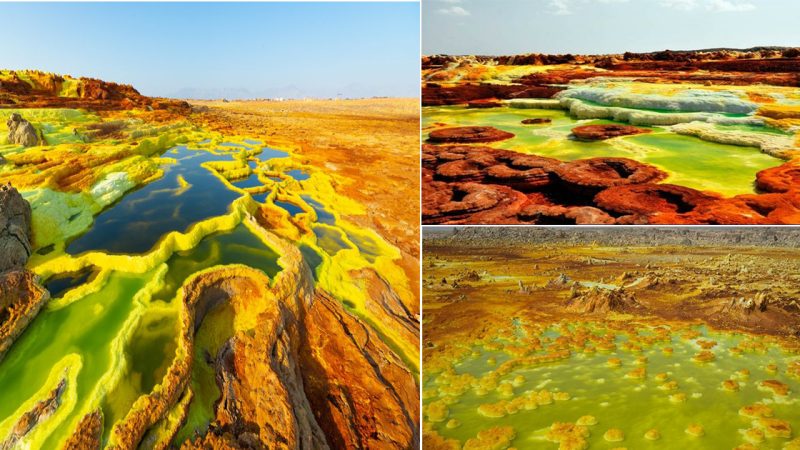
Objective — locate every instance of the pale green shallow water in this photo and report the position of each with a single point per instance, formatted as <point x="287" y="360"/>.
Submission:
<point x="634" y="406"/>
<point x="690" y="161"/>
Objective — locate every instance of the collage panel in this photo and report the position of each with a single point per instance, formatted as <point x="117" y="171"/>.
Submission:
<point x="611" y="337"/>
<point x="610" y="112"/>
<point x="200" y="242"/>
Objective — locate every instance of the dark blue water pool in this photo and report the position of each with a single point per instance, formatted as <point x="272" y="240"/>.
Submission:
<point x="142" y="217"/>
<point x="298" y="174"/>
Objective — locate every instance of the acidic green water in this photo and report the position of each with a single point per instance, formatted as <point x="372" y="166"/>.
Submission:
<point x="689" y="161"/>
<point x="632" y="405"/>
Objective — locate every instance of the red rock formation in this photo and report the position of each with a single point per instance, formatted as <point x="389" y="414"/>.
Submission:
<point x="467" y="135"/>
<point x="462" y="202"/>
<point x="779" y="179"/>
<point x="602" y="132"/>
<point x="488" y="165"/>
<point x="484" y="103"/>
<point x="361" y="394"/>
<point x="590" y="176"/>
<point x="436" y="95"/>
<point x="560" y="215"/>
<point x="45" y="91"/>
<point x="651" y="200"/>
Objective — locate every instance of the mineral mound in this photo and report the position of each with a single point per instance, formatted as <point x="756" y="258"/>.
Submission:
<point x="468" y="135"/>
<point x="603" y="132"/>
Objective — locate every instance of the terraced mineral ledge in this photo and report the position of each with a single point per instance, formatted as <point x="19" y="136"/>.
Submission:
<point x="611" y="338"/>
<point x="216" y="275"/>
<point x="563" y="139"/>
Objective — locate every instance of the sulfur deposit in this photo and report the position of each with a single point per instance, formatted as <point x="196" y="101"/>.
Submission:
<point x="179" y="275"/>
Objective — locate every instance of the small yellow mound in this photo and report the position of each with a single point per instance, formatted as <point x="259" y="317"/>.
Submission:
<point x="754" y="435"/>
<point x="495" y="438"/>
<point x="652" y="435"/>
<point x="506" y="390"/>
<point x="677" y="398"/>
<point x="776" y="428"/>
<point x="437" y="411"/>
<point x="587" y="420"/>
<point x="561" y="396"/>
<point x="614" y="362"/>
<point x="669" y="386"/>
<point x="730" y="385"/>
<point x="756" y="411"/>
<point x="776" y="387"/>
<point x="614" y="435"/>
<point x="661" y="377"/>
<point x="695" y="430"/>
<point x="639" y="373"/>
<point x="704" y="356"/>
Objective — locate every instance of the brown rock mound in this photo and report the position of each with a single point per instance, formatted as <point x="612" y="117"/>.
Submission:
<point x="599" y="300"/>
<point x="602" y="132"/>
<point x="592" y="175"/>
<point x="560" y="215"/>
<point x="536" y="121"/>
<point x="651" y="199"/>
<point x="458" y="202"/>
<point x="21" y="132"/>
<point x="484" y="103"/>
<point x="468" y="135"/>
<point x="15" y="229"/>
<point x="779" y="179"/>
<point x="487" y="165"/>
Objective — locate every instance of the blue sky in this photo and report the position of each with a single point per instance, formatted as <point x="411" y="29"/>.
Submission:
<point x="493" y="27"/>
<point x="222" y="49"/>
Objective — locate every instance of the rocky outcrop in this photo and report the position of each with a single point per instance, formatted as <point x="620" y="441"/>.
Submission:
<point x="651" y="199"/>
<point x="564" y="215"/>
<point x="600" y="300"/>
<point x="742" y="305"/>
<point x="488" y="165"/>
<point x="40" y="412"/>
<point x="603" y="132"/>
<point x="475" y="184"/>
<point x="436" y="95"/>
<point x="21" y="132"/>
<point x="89" y="433"/>
<point x="37" y="89"/>
<point x="467" y="135"/>
<point x="361" y="394"/>
<point x="21" y="296"/>
<point x="782" y="178"/>
<point x="592" y="175"/>
<point x="468" y="202"/>
<point x="15" y="229"/>
<point x="484" y="103"/>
